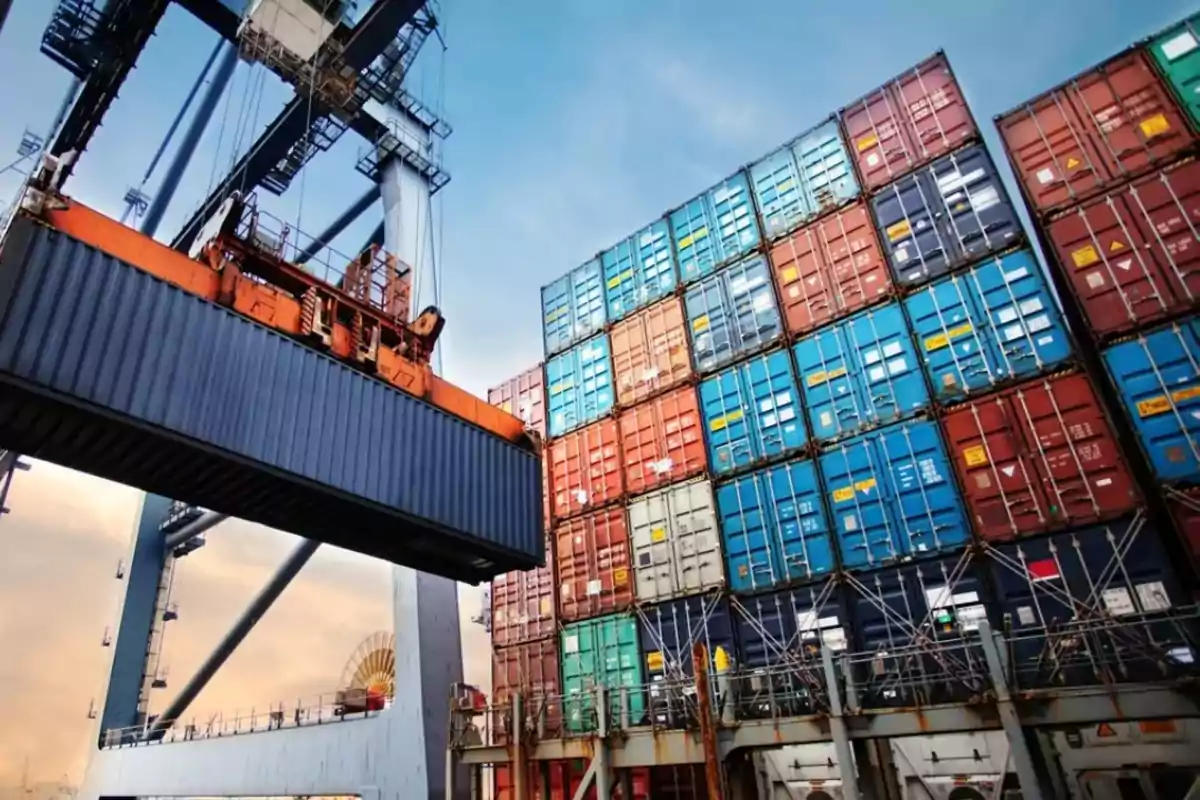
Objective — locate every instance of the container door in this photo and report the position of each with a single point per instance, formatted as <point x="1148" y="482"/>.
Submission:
<point x="725" y="400"/>
<point x="1178" y="55"/>
<point x="700" y="564"/>
<point x="580" y="386"/>
<point x="587" y="300"/>
<point x="979" y="219"/>
<point x="1015" y="302"/>
<point x="596" y="398"/>
<point x="877" y="134"/>
<point x="1052" y="152"/>
<point x="580" y="670"/>
<point x="775" y="417"/>
<point x="592" y="554"/>
<point x="585" y="469"/>
<point x="781" y="198"/>
<point x="630" y="358"/>
<point x="1167" y="207"/>
<point x="957" y="344"/>
<point x="662" y="440"/>
<point x="622" y="665"/>
<point x="797" y="518"/>
<point x="563" y="385"/>
<point x="709" y="324"/>
<point x="802" y="276"/>
<point x="650" y="351"/>
<point x="668" y="632"/>
<point x="935" y="109"/>
<point x="856" y="482"/>
<point x="752" y="303"/>
<point x="835" y="406"/>
<point x="523" y="604"/>
<point x="857" y="269"/>
<point x="651" y="531"/>
<point x="714" y="228"/>
<point x="747" y="539"/>
<point x="886" y="366"/>
<point x="928" y="510"/>
<point x="638" y="271"/>
<point x="556" y="315"/>
<point x="907" y="212"/>
<point x="825" y="169"/>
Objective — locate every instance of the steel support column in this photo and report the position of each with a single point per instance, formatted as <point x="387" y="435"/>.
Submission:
<point x="520" y="766"/>
<point x="602" y="762"/>
<point x="209" y="519"/>
<point x="708" y="728"/>
<point x="352" y="213"/>
<point x="1031" y="785"/>
<point x="837" y="729"/>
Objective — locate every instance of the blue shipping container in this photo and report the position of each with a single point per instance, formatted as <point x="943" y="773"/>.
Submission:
<point x="860" y="373"/>
<point x="922" y="621"/>
<point x="638" y="270"/>
<point x="1117" y="582"/>
<point x="731" y="314"/>
<point x="947" y="214"/>
<point x="579" y="385"/>
<point x="667" y="632"/>
<point x="752" y="412"/>
<point x="714" y="228"/>
<point x="893" y="496"/>
<point x="1158" y="377"/>
<point x="573" y="307"/>
<point x="111" y="371"/>
<point x="988" y="325"/>
<point x="773" y="527"/>
<point x="809" y="175"/>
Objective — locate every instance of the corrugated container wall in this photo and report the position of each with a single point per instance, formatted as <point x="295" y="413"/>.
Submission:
<point x="598" y="652"/>
<point x="1177" y="52"/>
<point x="668" y="632"/>
<point x="714" y="228"/>
<point x="731" y="314"/>
<point x="662" y="440"/>
<point x="829" y="268"/>
<point x="892" y="496"/>
<point x="811" y="174"/>
<point x="638" y="270"/>
<point x="1039" y="456"/>
<point x="1157" y="376"/>
<point x="523" y="604"/>
<point x="573" y="307"/>
<point x="579" y="385"/>
<point x="532" y="670"/>
<point x="773" y="527"/>
<point x="650" y="352"/>
<point x="676" y="542"/>
<point x="1093" y="132"/>
<point x="752" y="412"/>
<point x="1185" y="511"/>
<point x="913" y="118"/>
<point x="592" y="556"/>
<point x="167" y="392"/>
<point x="585" y="469"/>
<point x="524" y="397"/>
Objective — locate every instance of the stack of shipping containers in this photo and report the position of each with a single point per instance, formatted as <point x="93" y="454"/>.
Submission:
<point x="831" y="403"/>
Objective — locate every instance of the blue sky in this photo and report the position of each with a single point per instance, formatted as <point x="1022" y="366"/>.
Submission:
<point x="578" y="121"/>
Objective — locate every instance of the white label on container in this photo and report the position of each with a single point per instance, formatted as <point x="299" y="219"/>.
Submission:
<point x="783" y="399"/>
<point x="1014" y="332"/>
<point x="1015" y="275"/>
<point x="1045" y="340"/>
<point x="900" y="254"/>
<point x="581" y="496"/>
<point x="1180" y="44"/>
<point x="787" y="415"/>
<point x="938" y="597"/>
<point x="1045" y="175"/>
<point x="660" y="467"/>
<point x="769" y="420"/>
<point x="970" y="616"/>
<point x="1117" y="601"/>
<point x="1031" y="306"/>
<point x="1095" y="279"/>
<point x="1181" y="655"/>
<point x="826" y="419"/>
<point x="571" y="644"/>
<point x="1025" y="615"/>
<point x="593" y="587"/>
<point x="964" y="598"/>
<point x="892" y="349"/>
<point x="1006" y="315"/>
<point x="834" y="638"/>
<point x="1100" y="484"/>
<point x="766" y="405"/>
<point x="850" y="522"/>
<point x="871" y="356"/>
<point x="875" y="373"/>
<point x="1153" y="596"/>
<point x="897" y="365"/>
<point x="873" y="159"/>
<point x="1038" y="324"/>
<point x="806" y="621"/>
<point x="764" y="302"/>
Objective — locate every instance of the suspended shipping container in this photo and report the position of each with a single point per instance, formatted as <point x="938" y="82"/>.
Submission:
<point x="829" y="268"/>
<point x="910" y="120"/>
<point x="731" y="314"/>
<point x="676" y="542"/>
<point x="662" y="440"/>
<point x="1158" y="377"/>
<point x="531" y="670"/>
<point x="1090" y="607"/>
<point x="714" y="228"/>
<point x="523" y="604"/>
<point x="803" y="178"/>
<point x="1093" y="132"/>
<point x="1039" y="456"/>
<point x="601" y="652"/>
<point x="639" y="270"/>
<point x="1132" y="255"/>
<point x="573" y="307"/>
<point x="860" y="373"/>
<point x="524" y="397"/>
<point x="111" y="371"/>
<point x="983" y="327"/>
<point x="579" y="386"/>
<point x="773" y="527"/>
<point x="752" y="412"/>
<point x="592" y="557"/>
<point x="650" y="352"/>
<point x="668" y="632"/>
<point x="892" y="496"/>
<point x="950" y="213"/>
<point x="1177" y="51"/>
<point x="585" y="469"/>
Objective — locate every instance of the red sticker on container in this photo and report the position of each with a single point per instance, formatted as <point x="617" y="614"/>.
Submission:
<point x="1044" y="570"/>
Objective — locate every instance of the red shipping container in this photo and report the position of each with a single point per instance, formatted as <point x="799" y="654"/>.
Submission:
<point x="524" y="397"/>
<point x="1095" y="131"/>
<point x="1132" y="255"/>
<point x="1038" y="456"/>
<point x="909" y="121"/>
<point x="585" y="469"/>
<point x="523" y="604"/>
<point x="829" y="268"/>
<point x="1185" y="508"/>
<point x="531" y="669"/>
<point x="650" y="352"/>
<point x="566" y="775"/>
<point x="662" y="441"/>
<point x="592" y="554"/>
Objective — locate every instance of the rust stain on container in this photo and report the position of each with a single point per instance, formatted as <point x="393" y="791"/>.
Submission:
<point x="650" y="352"/>
<point x="662" y="440"/>
<point x="585" y="469"/>
<point x="523" y="604"/>
<point x="594" y="574"/>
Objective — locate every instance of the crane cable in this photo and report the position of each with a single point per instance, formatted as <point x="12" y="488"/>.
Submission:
<point x="304" y="154"/>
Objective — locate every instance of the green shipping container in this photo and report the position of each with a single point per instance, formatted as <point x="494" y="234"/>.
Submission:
<point x="598" y="652"/>
<point x="1177" y="53"/>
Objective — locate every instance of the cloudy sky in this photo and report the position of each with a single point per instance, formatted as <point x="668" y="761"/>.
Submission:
<point x="576" y="122"/>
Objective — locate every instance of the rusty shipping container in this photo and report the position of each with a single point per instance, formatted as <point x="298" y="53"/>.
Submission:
<point x="650" y="352"/>
<point x="1185" y="511"/>
<point x="566" y="776"/>
<point x="584" y="469"/>
<point x="593" y="561"/>
<point x="524" y="397"/>
<point x="1132" y="255"/>
<point x="909" y="121"/>
<point x="829" y="268"/>
<point x="523" y="604"/>
<point x="1038" y="456"/>
<point x="1093" y="132"/>
<point x="530" y="669"/>
<point x="662" y="441"/>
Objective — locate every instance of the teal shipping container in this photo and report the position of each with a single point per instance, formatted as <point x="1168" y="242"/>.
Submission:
<point x="572" y="307"/>
<point x="579" y="386"/>
<point x="714" y="228"/>
<point x="601" y="652"/>
<point x="638" y="270"/>
<point x="732" y="314"/>
<point x="1177" y="53"/>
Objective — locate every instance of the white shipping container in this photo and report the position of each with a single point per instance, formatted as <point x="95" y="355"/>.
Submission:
<point x="676" y="543"/>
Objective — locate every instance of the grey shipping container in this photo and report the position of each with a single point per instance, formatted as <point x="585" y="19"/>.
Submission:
<point x="111" y="371"/>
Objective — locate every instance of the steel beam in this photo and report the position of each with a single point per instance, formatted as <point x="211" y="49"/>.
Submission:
<point x="5" y="5"/>
<point x="837" y="729"/>
<point x="209" y="519"/>
<point x="352" y="213"/>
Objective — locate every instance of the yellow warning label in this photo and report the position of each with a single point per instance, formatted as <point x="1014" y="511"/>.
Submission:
<point x="559" y="388"/>
<point x="654" y="661"/>
<point x="940" y="340"/>
<point x="658" y="534"/>
<point x="1154" y="406"/>
<point x="1185" y="394"/>
<point x="783" y="186"/>
<point x="1085" y="256"/>
<point x="1116" y="246"/>
<point x="546" y="607"/>
<point x="692" y="238"/>
<point x="975" y="456"/>
<point x="556" y="313"/>
<point x="817" y="378"/>
<point x="616" y="280"/>
<point x="1072" y="162"/>
<point x="865" y="486"/>
<point x="843" y="494"/>
<point x="788" y="274"/>
<point x="1154" y="126"/>
<point x="867" y="142"/>
<point x="700" y="323"/>
<point x="506" y="406"/>
<point x="621" y="576"/>
<point x="721" y="422"/>
<point x="898" y="231"/>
